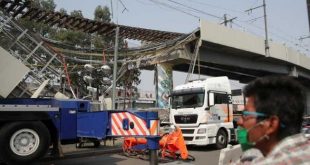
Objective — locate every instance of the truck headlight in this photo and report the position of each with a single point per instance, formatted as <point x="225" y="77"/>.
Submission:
<point x="201" y="131"/>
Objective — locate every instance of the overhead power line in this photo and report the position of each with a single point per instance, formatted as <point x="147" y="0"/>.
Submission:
<point x="174" y="8"/>
<point x="144" y="3"/>
<point x="125" y="8"/>
<point x="274" y="34"/>
<point x="267" y="53"/>
<point x="196" y="10"/>
<point x="188" y="9"/>
<point x="255" y="19"/>
<point x="218" y="7"/>
<point x="249" y="22"/>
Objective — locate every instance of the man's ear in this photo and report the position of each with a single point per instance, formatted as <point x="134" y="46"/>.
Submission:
<point x="272" y="125"/>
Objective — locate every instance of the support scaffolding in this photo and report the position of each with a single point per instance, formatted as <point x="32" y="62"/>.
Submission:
<point x="43" y="63"/>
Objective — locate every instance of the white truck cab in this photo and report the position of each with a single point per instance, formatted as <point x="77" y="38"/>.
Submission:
<point x="203" y="111"/>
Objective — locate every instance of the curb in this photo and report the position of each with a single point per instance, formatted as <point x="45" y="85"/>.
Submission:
<point x="84" y="153"/>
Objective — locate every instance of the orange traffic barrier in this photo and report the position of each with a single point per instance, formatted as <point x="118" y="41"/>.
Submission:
<point x="173" y="142"/>
<point x="170" y="145"/>
<point x="130" y="142"/>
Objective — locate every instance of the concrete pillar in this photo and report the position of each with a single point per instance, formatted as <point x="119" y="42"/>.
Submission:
<point x="163" y="84"/>
<point x="308" y="101"/>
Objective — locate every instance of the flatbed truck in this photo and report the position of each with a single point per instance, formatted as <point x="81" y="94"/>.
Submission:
<point x="28" y="127"/>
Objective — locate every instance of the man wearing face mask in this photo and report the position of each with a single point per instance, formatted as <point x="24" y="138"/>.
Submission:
<point x="271" y="122"/>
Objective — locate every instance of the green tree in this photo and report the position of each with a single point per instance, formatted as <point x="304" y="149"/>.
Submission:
<point x="43" y="29"/>
<point x="129" y="82"/>
<point x="102" y="13"/>
<point x="48" y="5"/>
<point x="63" y="11"/>
<point x="77" y="13"/>
<point x="80" y="39"/>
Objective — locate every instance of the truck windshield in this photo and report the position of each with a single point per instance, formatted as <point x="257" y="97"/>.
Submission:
<point x="188" y="100"/>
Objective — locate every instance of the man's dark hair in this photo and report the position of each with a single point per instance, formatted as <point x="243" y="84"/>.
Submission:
<point x="281" y="96"/>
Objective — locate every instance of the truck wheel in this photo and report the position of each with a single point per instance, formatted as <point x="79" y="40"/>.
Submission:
<point x="96" y="143"/>
<point x="22" y="142"/>
<point x="221" y="139"/>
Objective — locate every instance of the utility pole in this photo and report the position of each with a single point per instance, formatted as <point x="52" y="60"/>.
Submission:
<point x="115" y="67"/>
<point x="302" y="38"/>
<point x="227" y="20"/>
<point x="267" y="53"/>
<point x="266" y="31"/>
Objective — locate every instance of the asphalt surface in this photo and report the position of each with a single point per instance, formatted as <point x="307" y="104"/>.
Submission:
<point x="113" y="155"/>
<point x="87" y="149"/>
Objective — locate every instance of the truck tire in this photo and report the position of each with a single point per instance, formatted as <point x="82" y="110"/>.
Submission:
<point x="221" y="139"/>
<point x="23" y="142"/>
<point x="96" y="143"/>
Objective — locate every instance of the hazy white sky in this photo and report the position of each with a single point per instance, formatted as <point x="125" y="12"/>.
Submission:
<point x="287" y="19"/>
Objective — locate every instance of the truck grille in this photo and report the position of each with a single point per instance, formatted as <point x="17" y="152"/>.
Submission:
<point x="187" y="131"/>
<point x="185" y="119"/>
<point x="188" y="138"/>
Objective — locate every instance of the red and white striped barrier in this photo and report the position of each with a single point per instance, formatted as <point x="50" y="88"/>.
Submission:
<point x="139" y="126"/>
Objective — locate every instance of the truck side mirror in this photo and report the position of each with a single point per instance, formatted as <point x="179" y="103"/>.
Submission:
<point x="211" y="99"/>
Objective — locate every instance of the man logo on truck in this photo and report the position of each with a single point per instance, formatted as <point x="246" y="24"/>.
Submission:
<point x="185" y="119"/>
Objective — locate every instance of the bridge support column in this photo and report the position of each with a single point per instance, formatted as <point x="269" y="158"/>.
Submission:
<point x="308" y="101"/>
<point x="164" y="84"/>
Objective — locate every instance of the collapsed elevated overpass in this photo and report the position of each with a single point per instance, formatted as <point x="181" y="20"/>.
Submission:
<point x="241" y="56"/>
<point x="219" y="51"/>
<point x="211" y="50"/>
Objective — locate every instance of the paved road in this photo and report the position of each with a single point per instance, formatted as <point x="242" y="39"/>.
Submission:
<point x="203" y="155"/>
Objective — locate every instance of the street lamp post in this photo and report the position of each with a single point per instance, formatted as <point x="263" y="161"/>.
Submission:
<point x="115" y="67"/>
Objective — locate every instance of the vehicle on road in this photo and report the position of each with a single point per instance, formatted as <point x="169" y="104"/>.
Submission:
<point x="203" y="109"/>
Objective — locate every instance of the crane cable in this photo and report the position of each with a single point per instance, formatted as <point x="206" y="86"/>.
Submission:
<point x="65" y="67"/>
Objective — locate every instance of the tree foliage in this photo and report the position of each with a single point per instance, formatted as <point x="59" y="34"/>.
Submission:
<point x="63" y="11"/>
<point x="40" y="28"/>
<point x="77" y="13"/>
<point x="102" y="13"/>
<point x="48" y="5"/>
